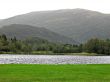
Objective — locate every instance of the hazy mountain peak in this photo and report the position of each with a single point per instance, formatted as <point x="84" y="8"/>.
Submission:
<point x="79" y="24"/>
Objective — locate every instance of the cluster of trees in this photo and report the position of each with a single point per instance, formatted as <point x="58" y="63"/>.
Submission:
<point x="97" y="46"/>
<point x="36" y="44"/>
<point x="68" y="48"/>
<point x="13" y="45"/>
<point x="91" y="46"/>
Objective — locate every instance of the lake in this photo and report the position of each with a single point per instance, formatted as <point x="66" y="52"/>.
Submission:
<point x="53" y="59"/>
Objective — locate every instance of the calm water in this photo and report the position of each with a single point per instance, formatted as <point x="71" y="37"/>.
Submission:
<point x="53" y="59"/>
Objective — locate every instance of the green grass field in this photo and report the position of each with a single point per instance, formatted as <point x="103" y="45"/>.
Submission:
<point x="54" y="73"/>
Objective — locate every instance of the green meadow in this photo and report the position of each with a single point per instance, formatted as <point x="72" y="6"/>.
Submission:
<point x="54" y="73"/>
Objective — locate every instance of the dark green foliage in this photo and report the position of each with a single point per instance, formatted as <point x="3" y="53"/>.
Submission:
<point x="39" y="44"/>
<point x="35" y="44"/>
<point x="97" y="46"/>
<point x="13" y="45"/>
<point x="67" y="48"/>
<point x="4" y="43"/>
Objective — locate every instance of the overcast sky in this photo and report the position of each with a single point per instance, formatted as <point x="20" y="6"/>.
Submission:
<point x="9" y="8"/>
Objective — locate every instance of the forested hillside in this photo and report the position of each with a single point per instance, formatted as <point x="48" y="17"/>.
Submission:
<point x="27" y="31"/>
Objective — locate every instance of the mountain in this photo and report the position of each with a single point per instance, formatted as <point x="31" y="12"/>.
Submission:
<point x="26" y="31"/>
<point x="79" y="24"/>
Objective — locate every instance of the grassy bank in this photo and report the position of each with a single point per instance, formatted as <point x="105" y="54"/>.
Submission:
<point x="51" y="53"/>
<point x="54" y="73"/>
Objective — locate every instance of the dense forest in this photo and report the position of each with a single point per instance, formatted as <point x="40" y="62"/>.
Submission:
<point x="13" y="45"/>
<point x="37" y="45"/>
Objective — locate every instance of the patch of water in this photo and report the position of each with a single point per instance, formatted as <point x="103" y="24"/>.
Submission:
<point x="53" y="59"/>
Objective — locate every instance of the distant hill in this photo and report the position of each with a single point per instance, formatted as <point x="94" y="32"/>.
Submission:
<point x="27" y="31"/>
<point x="79" y="24"/>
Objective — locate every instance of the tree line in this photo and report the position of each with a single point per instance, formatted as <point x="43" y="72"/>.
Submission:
<point x="12" y="45"/>
<point x="97" y="46"/>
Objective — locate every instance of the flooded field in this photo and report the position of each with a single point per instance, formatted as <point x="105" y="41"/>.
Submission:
<point x="53" y="59"/>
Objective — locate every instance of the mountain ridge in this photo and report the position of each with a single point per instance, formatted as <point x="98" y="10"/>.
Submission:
<point x="79" y="24"/>
<point x="26" y="31"/>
